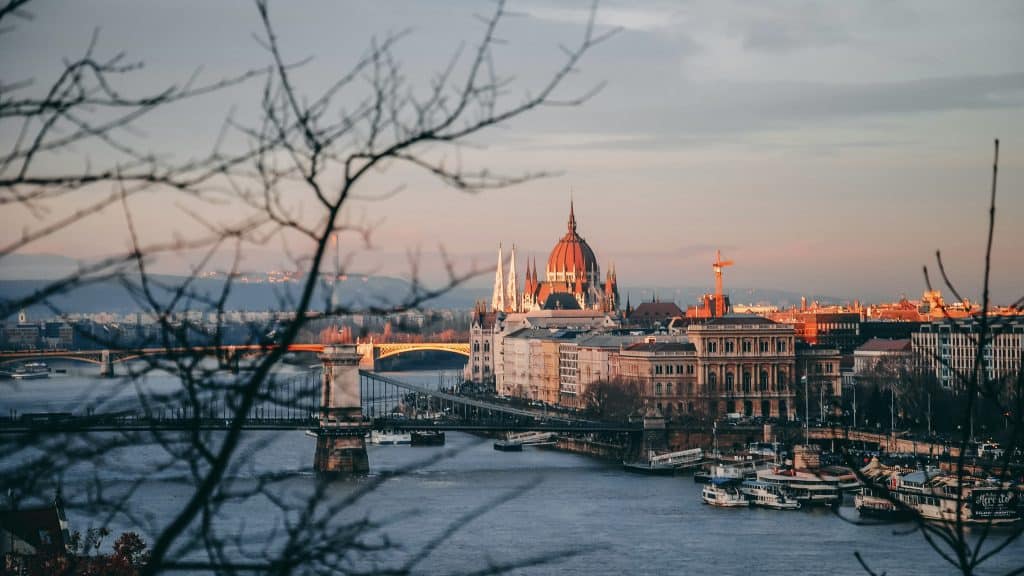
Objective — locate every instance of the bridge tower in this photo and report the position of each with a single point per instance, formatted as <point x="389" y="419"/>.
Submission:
<point x="106" y="364"/>
<point x="340" y="441"/>
<point x="369" y="356"/>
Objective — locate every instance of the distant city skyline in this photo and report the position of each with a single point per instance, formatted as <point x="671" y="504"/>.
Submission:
<point x="828" y="149"/>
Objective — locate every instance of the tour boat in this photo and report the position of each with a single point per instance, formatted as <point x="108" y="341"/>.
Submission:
<point x="868" y="502"/>
<point x="807" y="488"/>
<point x="648" y="467"/>
<point x="767" y="495"/>
<point x="427" y="438"/>
<point x="508" y="446"/>
<point x="723" y="496"/>
<point x="666" y="464"/>
<point x="32" y="371"/>
<point x="389" y="438"/>
<point x="932" y="494"/>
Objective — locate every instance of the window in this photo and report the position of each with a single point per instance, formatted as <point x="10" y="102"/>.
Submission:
<point x="781" y="380"/>
<point x="712" y="347"/>
<point x="748" y="346"/>
<point x="657" y="370"/>
<point x="712" y="380"/>
<point x="730" y="346"/>
<point x="476" y="346"/>
<point x="764" y="380"/>
<point x="487" y="346"/>
<point x="729" y="381"/>
<point x="764" y="346"/>
<point x="780" y="346"/>
<point x="657" y="389"/>
<point x="828" y="367"/>
<point x="668" y="389"/>
<point x="746" y="381"/>
<point x="689" y="369"/>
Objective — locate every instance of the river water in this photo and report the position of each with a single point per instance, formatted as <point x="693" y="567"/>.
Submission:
<point x="535" y="502"/>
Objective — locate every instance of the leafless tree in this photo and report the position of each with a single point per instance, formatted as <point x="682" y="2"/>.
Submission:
<point x="965" y="546"/>
<point x="302" y="150"/>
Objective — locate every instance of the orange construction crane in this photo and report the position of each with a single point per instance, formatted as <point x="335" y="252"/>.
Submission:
<point x="717" y="266"/>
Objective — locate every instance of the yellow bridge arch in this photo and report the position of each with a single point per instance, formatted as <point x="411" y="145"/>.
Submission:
<point x="394" y="349"/>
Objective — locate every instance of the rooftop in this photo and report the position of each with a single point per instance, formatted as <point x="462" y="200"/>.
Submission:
<point x="884" y="345"/>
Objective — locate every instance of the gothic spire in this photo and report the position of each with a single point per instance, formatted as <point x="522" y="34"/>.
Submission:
<point x="512" y="297"/>
<point x="572" y="217"/>
<point x="498" y="296"/>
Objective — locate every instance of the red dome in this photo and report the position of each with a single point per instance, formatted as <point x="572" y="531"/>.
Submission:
<point x="572" y="258"/>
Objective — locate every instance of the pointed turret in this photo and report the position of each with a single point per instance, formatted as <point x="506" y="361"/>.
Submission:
<point x="512" y="294"/>
<point x="498" y="296"/>
<point x="572" y="217"/>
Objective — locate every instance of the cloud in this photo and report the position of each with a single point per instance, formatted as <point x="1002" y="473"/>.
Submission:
<point x="644" y="19"/>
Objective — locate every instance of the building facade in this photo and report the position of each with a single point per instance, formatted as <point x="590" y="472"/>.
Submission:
<point x="747" y="365"/>
<point x="947" y="347"/>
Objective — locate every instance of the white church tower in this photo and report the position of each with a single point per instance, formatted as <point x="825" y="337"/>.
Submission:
<point x="512" y="295"/>
<point x="498" y="296"/>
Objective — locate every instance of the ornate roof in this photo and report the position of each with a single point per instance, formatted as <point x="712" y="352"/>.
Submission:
<point x="572" y="257"/>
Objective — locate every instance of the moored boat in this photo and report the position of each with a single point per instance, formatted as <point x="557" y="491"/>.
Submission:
<point x="939" y="496"/>
<point x="869" y="503"/>
<point x="648" y="467"/>
<point x="767" y="495"/>
<point x="389" y="438"/>
<point x="723" y="496"/>
<point x="427" y="438"/>
<point x="808" y="488"/>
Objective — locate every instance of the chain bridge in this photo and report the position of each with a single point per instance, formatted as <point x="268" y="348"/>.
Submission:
<point x="338" y="403"/>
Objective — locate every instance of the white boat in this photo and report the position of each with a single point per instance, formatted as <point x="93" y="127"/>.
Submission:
<point x="932" y="494"/>
<point x="807" y="488"/>
<point x="723" y="496"/>
<point x="389" y="438"/>
<point x="767" y="495"/>
<point x="32" y="371"/>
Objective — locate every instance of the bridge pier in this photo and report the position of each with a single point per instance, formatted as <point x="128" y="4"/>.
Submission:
<point x="341" y="437"/>
<point x="653" y="438"/>
<point x="106" y="364"/>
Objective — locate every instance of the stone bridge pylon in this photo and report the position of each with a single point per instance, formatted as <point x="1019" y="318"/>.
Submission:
<point x="341" y="437"/>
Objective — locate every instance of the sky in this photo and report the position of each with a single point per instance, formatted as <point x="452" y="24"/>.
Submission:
<point x="828" y="148"/>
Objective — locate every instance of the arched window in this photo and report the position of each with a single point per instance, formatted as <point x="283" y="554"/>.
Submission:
<point x="668" y="388"/>
<point x="746" y="381"/>
<point x="487" y="346"/>
<point x="781" y="381"/>
<point x="764" y="380"/>
<point x="657" y="391"/>
<point x="729" y="378"/>
<point x="712" y="380"/>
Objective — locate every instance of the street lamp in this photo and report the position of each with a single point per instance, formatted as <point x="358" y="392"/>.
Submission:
<point x="807" y="430"/>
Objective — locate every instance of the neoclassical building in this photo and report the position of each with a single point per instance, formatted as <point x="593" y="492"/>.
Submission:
<point x="572" y="279"/>
<point x="732" y="364"/>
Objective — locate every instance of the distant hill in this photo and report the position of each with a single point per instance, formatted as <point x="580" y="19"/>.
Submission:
<point x="22" y="275"/>
<point x="37" y="266"/>
<point x="108" y="296"/>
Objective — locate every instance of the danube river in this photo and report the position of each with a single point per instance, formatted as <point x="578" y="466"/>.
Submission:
<point x="611" y="521"/>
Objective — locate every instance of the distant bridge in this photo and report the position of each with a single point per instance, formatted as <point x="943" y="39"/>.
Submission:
<point x="382" y="399"/>
<point x="371" y="352"/>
